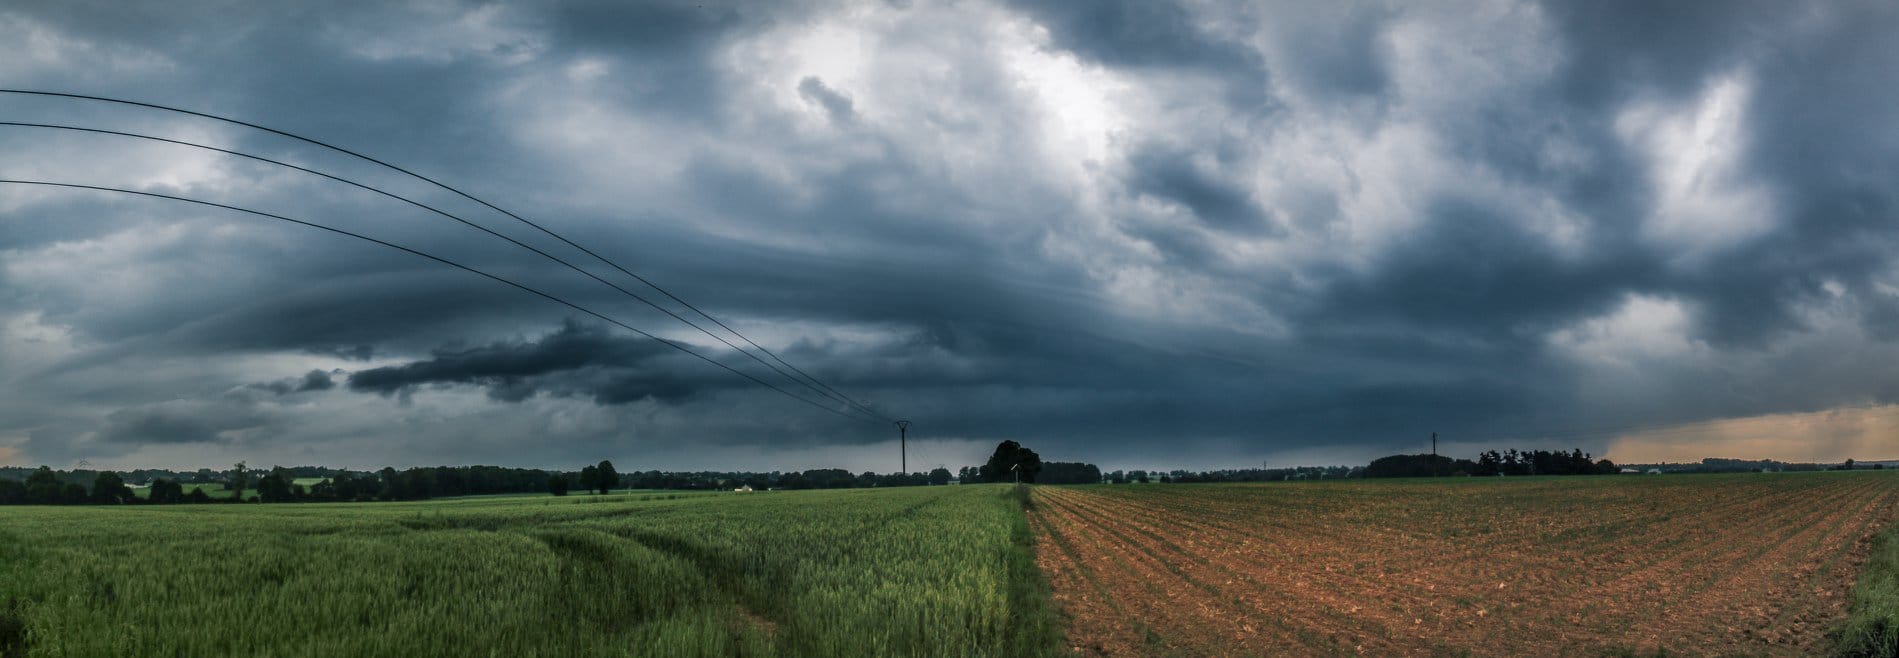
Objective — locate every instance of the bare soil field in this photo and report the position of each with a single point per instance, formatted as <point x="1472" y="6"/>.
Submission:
<point x="1753" y="564"/>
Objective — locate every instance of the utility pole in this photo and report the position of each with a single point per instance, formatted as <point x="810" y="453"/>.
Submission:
<point x="903" y="443"/>
<point x="1434" y="453"/>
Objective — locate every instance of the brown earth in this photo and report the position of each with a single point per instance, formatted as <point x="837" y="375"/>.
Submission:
<point x="1754" y="564"/>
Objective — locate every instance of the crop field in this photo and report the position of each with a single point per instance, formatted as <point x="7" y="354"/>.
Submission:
<point x="1743" y="564"/>
<point x="1723" y="564"/>
<point x="913" y="571"/>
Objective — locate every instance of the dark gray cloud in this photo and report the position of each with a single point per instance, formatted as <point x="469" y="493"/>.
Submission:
<point x="1154" y="35"/>
<point x="180" y="421"/>
<point x="578" y="359"/>
<point x="1474" y="274"/>
<point x="838" y="105"/>
<point x="315" y="380"/>
<point x="1177" y="178"/>
<point x="1136" y="232"/>
<point x="1135" y="33"/>
<point x="1335" y="51"/>
<point x="1671" y="48"/>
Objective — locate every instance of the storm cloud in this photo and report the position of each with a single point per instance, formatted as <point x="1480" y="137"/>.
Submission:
<point x="576" y="360"/>
<point x="315" y="380"/>
<point x="179" y="421"/>
<point x="1145" y="234"/>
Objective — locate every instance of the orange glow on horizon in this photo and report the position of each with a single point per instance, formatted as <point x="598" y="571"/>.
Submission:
<point x="1862" y="433"/>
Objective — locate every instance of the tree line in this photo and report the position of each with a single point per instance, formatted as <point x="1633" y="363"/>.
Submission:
<point x="1010" y="462"/>
<point x="279" y="484"/>
<point x="1490" y="463"/>
<point x="45" y="486"/>
<point x="817" y="478"/>
<point x="1261" y="474"/>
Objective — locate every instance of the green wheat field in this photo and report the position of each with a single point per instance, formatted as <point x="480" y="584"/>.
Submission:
<point x="914" y="571"/>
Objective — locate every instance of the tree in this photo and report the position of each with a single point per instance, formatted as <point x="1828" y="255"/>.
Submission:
<point x="1068" y="473"/>
<point x="589" y="478"/>
<point x="43" y="487"/>
<point x="1012" y="461"/>
<point x="275" y="487"/>
<point x="109" y="488"/>
<point x="1413" y="466"/>
<point x="12" y="492"/>
<point x="939" y="477"/>
<point x="557" y="485"/>
<point x="344" y="486"/>
<point x="388" y="477"/>
<point x="997" y="468"/>
<point x="165" y="491"/>
<point x="605" y="478"/>
<point x="240" y="476"/>
<point x="1489" y="463"/>
<point x="824" y="478"/>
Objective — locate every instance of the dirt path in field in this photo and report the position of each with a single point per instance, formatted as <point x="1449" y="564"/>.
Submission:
<point x="1757" y="566"/>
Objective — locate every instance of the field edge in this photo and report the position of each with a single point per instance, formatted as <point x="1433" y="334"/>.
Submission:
<point x="1872" y="624"/>
<point x="1041" y="631"/>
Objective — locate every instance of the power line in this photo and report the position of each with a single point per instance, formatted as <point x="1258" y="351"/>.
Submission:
<point x="469" y="197"/>
<point x="526" y="288"/>
<point x="457" y="218"/>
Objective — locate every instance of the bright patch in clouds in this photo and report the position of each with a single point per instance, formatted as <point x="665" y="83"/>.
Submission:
<point x="1642" y="329"/>
<point x="1704" y="200"/>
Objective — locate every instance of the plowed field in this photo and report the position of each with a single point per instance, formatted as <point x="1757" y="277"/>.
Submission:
<point x="1748" y="564"/>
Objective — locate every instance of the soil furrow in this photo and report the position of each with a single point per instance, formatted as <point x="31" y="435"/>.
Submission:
<point x="1715" y="564"/>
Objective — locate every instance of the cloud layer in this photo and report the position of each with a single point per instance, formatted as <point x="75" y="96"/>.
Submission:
<point x="1137" y="233"/>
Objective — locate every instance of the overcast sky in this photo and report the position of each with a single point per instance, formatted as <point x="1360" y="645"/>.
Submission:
<point x="1133" y="233"/>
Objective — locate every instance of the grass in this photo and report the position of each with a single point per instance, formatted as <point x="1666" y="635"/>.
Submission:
<point x="1872" y="626"/>
<point x="889" y="572"/>
<point x="12" y="631"/>
<point x="1028" y="590"/>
